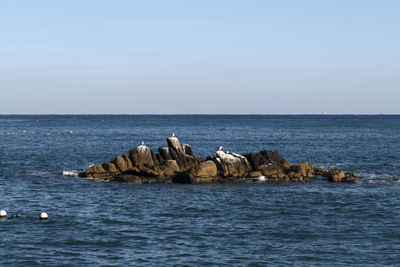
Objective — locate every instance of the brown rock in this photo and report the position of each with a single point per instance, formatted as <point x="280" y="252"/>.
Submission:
<point x="265" y="157"/>
<point x="336" y="176"/>
<point x="128" y="161"/>
<point x="177" y="152"/>
<point x="111" y="168"/>
<point x="176" y="163"/>
<point x="173" y="143"/>
<point x="141" y="156"/>
<point x="320" y="171"/>
<point x="164" y="153"/>
<point x="96" y="171"/>
<point x="232" y="164"/>
<point x="205" y="169"/>
<point x="121" y="164"/>
<point x="169" y="168"/>
<point x="350" y="178"/>
<point x="305" y="169"/>
<point x="187" y="149"/>
<point x="253" y="174"/>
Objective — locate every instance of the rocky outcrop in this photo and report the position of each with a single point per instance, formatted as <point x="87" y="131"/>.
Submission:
<point x="231" y="164"/>
<point x="340" y="176"/>
<point x="176" y="163"/>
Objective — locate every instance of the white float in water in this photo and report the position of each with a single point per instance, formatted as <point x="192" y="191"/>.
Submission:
<point x="261" y="178"/>
<point x="44" y="216"/>
<point x="3" y="213"/>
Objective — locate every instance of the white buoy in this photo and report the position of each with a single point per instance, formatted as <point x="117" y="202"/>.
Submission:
<point x="261" y="178"/>
<point x="3" y="213"/>
<point x="44" y="216"/>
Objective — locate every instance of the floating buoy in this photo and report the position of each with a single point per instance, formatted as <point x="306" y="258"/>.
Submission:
<point x="44" y="216"/>
<point x="70" y="132"/>
<point x="3" y="213"/>
<point x="261" y="178"/>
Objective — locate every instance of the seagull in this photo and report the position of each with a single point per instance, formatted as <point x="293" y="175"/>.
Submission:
<point x="219" y="148"/>
<point x="142" y="143"/>
<point x="173" y="134"/>
<point x="227" y="151"/>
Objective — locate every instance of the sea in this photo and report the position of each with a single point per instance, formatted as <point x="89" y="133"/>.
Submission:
<point x="98" y="223"/>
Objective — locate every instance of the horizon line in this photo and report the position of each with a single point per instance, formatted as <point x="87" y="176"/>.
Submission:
<point x="196" y="114"/>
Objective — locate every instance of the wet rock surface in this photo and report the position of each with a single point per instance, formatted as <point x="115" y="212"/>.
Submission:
<point x="177" y="164"/>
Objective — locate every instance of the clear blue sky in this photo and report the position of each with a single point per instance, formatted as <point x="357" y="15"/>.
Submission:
<point x="264" y="57"/>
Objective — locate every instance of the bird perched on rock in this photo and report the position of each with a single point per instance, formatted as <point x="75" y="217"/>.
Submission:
<point x="142" y="143"/>
<point x="220" y="148"/>
<point x="173" y="135"/>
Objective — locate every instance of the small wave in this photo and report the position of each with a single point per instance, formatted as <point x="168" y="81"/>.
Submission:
<point x="330" y="166"/>
<point x="378" y="179"/>
<point x="40" y="173"/>
<point x="71" y="173"/>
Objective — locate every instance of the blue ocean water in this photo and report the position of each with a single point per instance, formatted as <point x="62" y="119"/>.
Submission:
<point x="111" y="224"/>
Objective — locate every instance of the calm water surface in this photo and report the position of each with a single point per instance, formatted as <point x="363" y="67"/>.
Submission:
<point x="110" y="224"/>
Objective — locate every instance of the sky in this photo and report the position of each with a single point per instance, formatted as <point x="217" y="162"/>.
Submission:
<point x="199" y="57"/>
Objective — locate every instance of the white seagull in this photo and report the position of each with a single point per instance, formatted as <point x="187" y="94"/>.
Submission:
<point x="173" y="134"/>
<point x="219" y="148"/>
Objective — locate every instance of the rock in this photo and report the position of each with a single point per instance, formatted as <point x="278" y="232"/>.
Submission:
<point x="96" y="171"/>
<point x="205" y="169"/>
<point x="176" y="163"/>
<point x="254" y="174"/>
<point x="121" y="164"/>
<point x="265" y="157"/>
<point x="349" y="177"/>
<point x="164" y="153"/>
<point x="128" y="179"/>
<point x="272" y="171"/>
<point x="231" y="164"/>
<point x="178" y="153"/>
<point x="155" y="159"/>
<point x="336" y="176"/>
<point x="320" y="171"/>
<point x="169" y="168"/>
<point x="187" y="149"/>
<point x="141" y="156"/>
<point x="111" y="168"/>
<point x="128" y="161"/>
<point x="173" y="144"/>
<point x="305" y="169"/>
